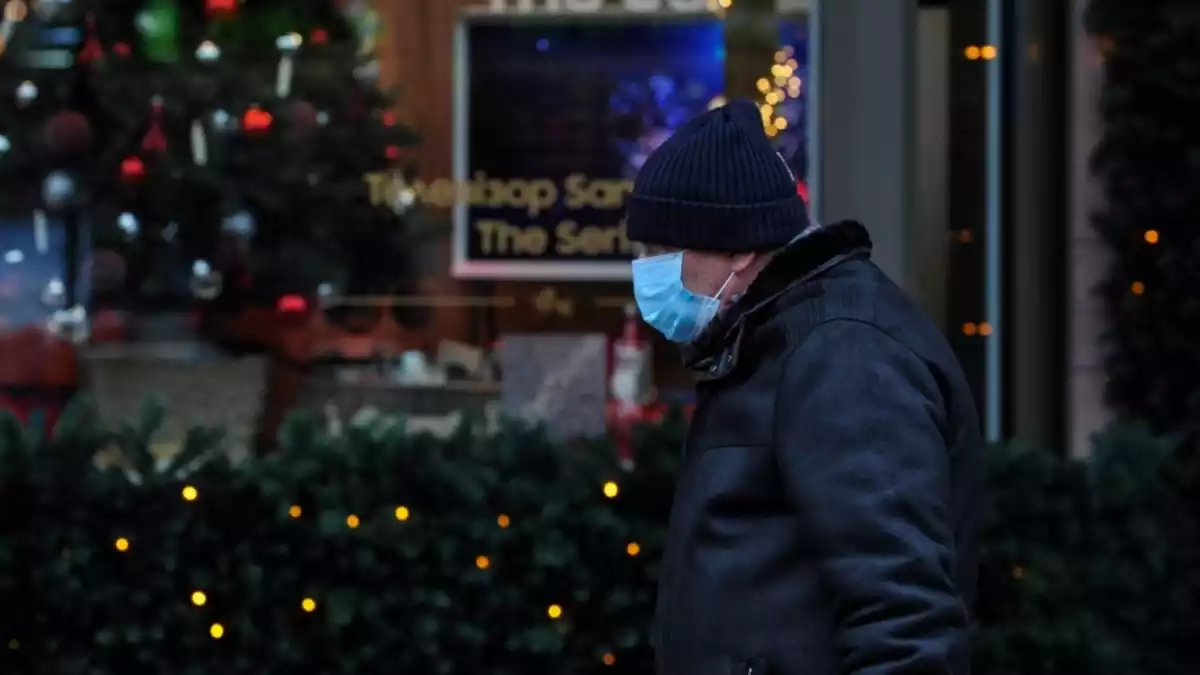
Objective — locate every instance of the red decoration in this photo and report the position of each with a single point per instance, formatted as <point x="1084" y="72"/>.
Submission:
<point x="155" y="140"/>
<point x="392" y="152"/>
<point x="301" y="115"/>
<point x="319" y="36"/>
<point x="92" y="49"/>
<point x="67" y="133"/>
<point x="132" y="168"/>
<point x="256" y="120"/>
<point x="220" y="7"/>
<point x="389" y="119"/>
<point x="110" y="326"/>
<point x="292" y="304"/>
<point x="122" y="49"/>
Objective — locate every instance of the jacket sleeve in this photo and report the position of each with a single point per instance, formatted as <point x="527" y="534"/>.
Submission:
<point x="858" y="424"/>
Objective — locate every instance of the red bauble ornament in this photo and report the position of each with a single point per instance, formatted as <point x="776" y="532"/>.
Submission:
<point x="67" y="133"/>
<point x="389" y="119"/>
<point x="301" y="115"/>
<point x="220" y="7"/>
<point x="132" y="168"/>
<point x="122" y="49"/>
<point x="392" y="152"/>
<point x="319" y="36"/>
<point x="256" y="120"/>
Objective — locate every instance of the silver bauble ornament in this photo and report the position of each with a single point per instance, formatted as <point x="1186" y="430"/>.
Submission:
<point x="58" y="189"/>
<point x="27" y="92"/>
<point x="5" y="144"/>
<point x="54" y="293"/>
<point x="223" y="121"/>
<point x="129" y="225"/>
<point x="206" y="283"/>
<point x="208" y="52"/>
<point x="240" y="224"/>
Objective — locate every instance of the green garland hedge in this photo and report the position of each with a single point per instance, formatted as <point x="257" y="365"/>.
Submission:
<point x="1148" y="163"/>
<point x="509" y="554"/>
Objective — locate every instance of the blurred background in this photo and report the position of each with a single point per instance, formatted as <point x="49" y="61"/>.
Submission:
<point x="413" y="208"/>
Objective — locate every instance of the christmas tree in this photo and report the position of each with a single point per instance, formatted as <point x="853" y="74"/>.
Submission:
<point x="1148" y="162"/>
<point x="222" y="152"/>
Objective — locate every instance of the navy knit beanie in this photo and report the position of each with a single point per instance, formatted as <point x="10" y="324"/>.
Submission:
<point x="717" y="184"/>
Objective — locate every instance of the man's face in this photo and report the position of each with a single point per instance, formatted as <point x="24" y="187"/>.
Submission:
<point x="706" y="272"/>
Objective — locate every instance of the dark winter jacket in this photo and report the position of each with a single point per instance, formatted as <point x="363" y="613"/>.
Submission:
<point x="826" y="521"/>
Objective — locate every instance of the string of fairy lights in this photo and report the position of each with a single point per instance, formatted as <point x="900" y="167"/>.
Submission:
<point x="781" y="84"/>
<point x="308" y="604"/>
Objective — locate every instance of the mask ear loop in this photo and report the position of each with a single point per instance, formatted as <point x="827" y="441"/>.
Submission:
<point x="722" y="288"/>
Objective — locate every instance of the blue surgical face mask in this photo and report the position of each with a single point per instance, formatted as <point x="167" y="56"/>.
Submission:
<point x="666" y="304"/>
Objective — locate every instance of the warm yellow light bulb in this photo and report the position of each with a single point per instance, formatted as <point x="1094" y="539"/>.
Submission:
<point x="190" y="493"/>
<point x="611" y="490"/>
<point x="402" y="513"/>
<point x="199" y="598"/>
<point x="609" y="659"/>
<point x="1151" y="236"/>
<point x="988" y="52"/>
<point x="780" y="123"/>
<point x="1137" y="288"/>
<point x="985" y="329"/>
<point x="308" y="605"/>
<point x="217" y="631"/>
<point x="482" y="562"/>
<point x="352" y="521"/>
<point x="554" y="611"/>
<point x="763" y="84"/>
<point x="121" y="544"/>
<point x="295" y="511"/>
<point x="972" y="53"/>
<point x="503" y="520"/>
<point x="969" y="328"/>
<point x="633" y="548"/>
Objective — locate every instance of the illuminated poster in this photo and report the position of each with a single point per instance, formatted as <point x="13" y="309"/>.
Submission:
<point x="554" y="119"/>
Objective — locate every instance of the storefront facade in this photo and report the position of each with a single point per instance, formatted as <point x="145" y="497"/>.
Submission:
<point x="940" y="125"/>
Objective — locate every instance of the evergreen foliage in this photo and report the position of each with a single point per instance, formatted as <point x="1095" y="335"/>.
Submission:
<point x="1148" y="162"/>
<point x="377" y="551"/>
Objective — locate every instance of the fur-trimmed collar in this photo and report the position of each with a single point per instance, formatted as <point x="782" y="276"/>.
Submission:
<point x="802" y="259"/>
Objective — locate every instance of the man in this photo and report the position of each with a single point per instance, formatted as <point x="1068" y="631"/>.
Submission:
<point x="826" y="520"/>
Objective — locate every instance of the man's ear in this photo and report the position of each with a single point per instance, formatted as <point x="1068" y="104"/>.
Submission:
<point x="743" y="262"/>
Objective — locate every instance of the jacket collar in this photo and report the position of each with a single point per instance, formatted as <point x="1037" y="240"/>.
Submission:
<point x="715" y="351"/>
